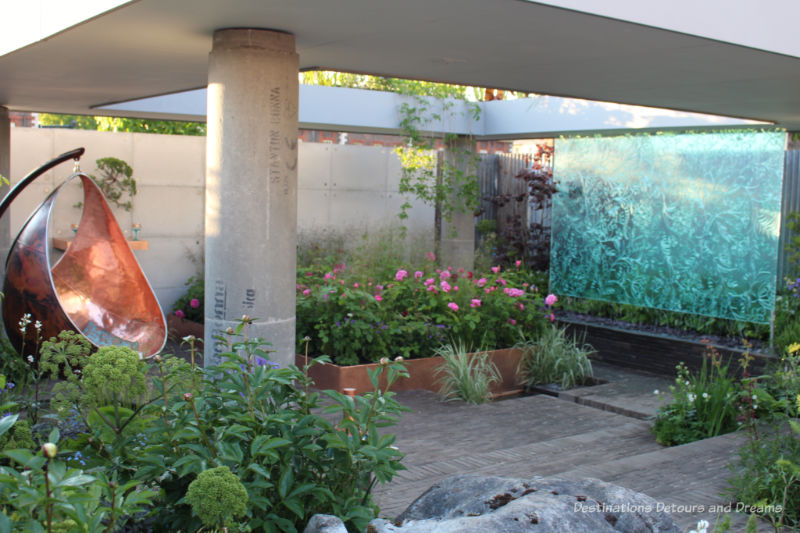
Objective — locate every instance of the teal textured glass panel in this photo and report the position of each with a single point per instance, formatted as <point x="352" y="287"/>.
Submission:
<point x="685" y="222"/>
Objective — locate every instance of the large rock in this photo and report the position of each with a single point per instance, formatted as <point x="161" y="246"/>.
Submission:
<point x="324" y="523"/>
<point x="471" y="504"/>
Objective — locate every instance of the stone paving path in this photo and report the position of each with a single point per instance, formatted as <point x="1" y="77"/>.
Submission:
<point x="543" y="435"/>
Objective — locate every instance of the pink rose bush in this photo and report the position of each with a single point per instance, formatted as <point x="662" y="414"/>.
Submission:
<point x="412" y="315"/>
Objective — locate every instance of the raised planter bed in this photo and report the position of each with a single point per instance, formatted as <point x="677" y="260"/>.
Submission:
<point x="422" y="374"/>
<point x="652" y="352"/>
<point x="180" y="327"/>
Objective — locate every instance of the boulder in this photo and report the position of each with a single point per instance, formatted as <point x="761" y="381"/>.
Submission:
<point x="324" y="523"/>
<point x="472" y="504"/>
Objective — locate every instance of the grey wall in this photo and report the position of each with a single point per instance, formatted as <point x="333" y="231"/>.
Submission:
<point x="342" y="189"/>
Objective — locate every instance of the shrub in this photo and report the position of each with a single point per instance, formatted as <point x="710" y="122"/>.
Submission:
<point x="465" y="376"/>
<point x="191" y="304"/>
<point x="703" y="405"/>
<point x="555" y="358"/>
<point x="266" y="427"/>
<point x="358" y="320"/>
<point x="217" y="496"/>
<point x="766" y="476"/>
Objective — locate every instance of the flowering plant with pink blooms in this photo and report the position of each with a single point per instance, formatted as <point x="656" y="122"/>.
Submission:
<point x="190" y="305"/>
<point x="357" y="319"/>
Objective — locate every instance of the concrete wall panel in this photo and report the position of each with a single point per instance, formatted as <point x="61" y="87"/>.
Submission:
<point x="314" y="165"/>
<point x="174" y="160"/>
<point x="359" y="168"/>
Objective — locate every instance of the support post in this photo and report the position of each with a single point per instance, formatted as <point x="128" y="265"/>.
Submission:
<point x="251" y="188"/>
<point x="458" y="234"/>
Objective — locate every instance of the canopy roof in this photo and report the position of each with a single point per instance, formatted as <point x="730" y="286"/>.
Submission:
<point x="152" y="47"/>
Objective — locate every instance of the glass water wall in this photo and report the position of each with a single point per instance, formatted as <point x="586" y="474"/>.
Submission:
<point x="683" y="222"/>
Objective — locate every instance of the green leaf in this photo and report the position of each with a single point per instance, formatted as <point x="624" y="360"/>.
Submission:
<point x="7" y="421"/>
<point x="5" y="523"/>
<point x="55" y="435"/>
<point x="287" y="480"/>
<point x="23" y="457"/>
<point x="76" y="481"/>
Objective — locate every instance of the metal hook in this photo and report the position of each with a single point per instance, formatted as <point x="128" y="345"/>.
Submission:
<point x="77" y="166"/>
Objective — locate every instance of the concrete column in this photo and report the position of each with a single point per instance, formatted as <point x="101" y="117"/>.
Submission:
<point x="251" y="188"/>
<point x="5" y="170"/>
<point x="458" y="235"/>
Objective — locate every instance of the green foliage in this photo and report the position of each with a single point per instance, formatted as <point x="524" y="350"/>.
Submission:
<point x="17" y="437"/>
<point x="447" y="182"/>
<point x="134" y="125"/>
<point x="217" y="496"/>
<point x="555" y="357"/>
<point x="464" y="375"/>
<point x="265" y="426"/>
<point x="116" y="181"/>
<point x="782" y="382"/>
<point x="766" y="477"/>
<point x="787" y="315"/>
<point x="114" y="375"/>
<point x="12" y="364"/>
<point x="40" y="494"/>
<point x="793" y="245"/>
<point x="703" y="405"/>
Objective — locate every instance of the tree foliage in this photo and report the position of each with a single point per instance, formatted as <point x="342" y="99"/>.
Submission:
<point x="133" y="125"/>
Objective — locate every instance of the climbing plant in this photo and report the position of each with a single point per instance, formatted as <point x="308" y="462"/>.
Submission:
<point x="116" y="181"/>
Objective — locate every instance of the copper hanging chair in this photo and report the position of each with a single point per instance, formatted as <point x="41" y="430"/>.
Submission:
<point x="96" y="288"/>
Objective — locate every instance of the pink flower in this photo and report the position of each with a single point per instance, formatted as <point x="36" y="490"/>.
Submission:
<point x="306" y="292"/>
<point x="429" y="282"/>
<point x="341" y="281"/>
<point x="325" y="296"/>
<point x="453" y="306"/>
<point x="379" y="287"/>
<point x="521" y="307"/>
<point x="552" y="317"/>
<point x="455" y="287"/>
<point x="378" y="297"/>
<point x="502" y="282"/>
<point x="550" y="300"/>
<point x="444" y="275"/>
<point x="179" y="314"/>
<point x="401" y="274"/>
<point x="487" y="291"/>
<point x="515" y="293"/>
<point x="445" y="286"/>
<point x="481" y="282"/>
<point x="519" y="262"/>
<point x="495" y="269"/>
<point x="430" y="256"/>
<point x="432" y="288"/>
<point x="512" y="321"/>
<point x="328" y="275"/>
<point x="355" y="284"/>
<point x="475" y="303"/>
<point x="418" y="274"/>
<point x="194" y="303"/>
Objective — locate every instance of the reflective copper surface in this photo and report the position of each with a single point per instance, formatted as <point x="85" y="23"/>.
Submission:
<point x="97" y="287"/>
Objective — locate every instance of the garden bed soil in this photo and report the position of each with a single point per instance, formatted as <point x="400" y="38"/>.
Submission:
<point x="422" y="374"/>
<point x="656" y="349"/>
